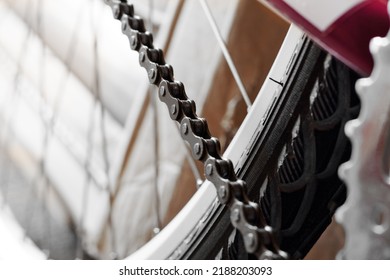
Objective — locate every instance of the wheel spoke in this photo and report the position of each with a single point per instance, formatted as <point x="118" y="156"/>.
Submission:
<point x="226" y="53"/>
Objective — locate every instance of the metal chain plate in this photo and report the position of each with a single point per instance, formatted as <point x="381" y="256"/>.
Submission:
<point x="245" y="216"/>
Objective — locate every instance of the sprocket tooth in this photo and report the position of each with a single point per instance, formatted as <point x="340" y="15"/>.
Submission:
<point x="351" y="127"/>
<point x="378" y="46"/>
<point x="344" y="170"/>
<point x="361" y="86"/>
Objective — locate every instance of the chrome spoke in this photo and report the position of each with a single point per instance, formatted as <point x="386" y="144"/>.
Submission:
<point x="226" y="53"/>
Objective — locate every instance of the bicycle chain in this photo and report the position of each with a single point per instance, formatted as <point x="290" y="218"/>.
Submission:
<point x="246" y="216"/>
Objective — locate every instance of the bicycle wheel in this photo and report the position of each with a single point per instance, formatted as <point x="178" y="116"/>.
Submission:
<point x="66" y="49"/>
<point x="302" y="92"/>
<point x="291" y="173"/>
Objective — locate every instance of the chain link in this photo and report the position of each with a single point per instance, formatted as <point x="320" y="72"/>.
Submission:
<point x="246" y="216"/>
